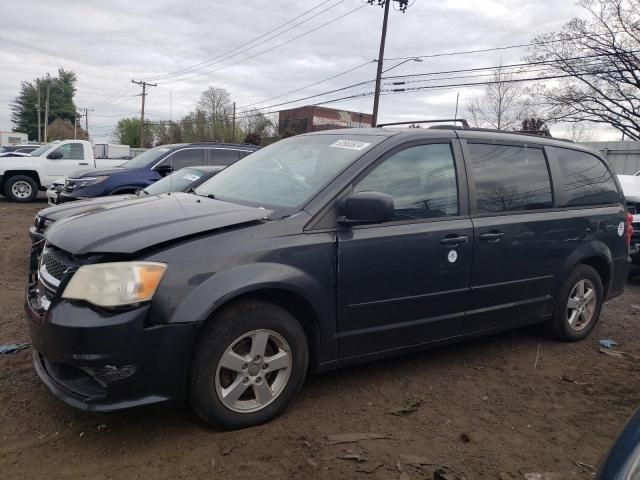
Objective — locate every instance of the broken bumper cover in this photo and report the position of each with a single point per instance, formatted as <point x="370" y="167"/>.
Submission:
<point x="105" y="361"/>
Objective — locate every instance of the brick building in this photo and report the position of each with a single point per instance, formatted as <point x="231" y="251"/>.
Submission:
<point x="311" y="119"/>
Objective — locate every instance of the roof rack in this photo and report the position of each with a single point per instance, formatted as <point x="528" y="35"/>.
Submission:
<point x="465" y="123"/>
<point x="465" y="126"/>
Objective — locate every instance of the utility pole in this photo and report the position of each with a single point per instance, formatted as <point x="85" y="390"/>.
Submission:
<point x="46" y="111"/>
<point x="86" y="120"/>
<point x="233" y="131"/>
<point x="143" y="94"/>
<point x="39" y="114"/>
<point x="402" y="6"/>
<point x="75" y="126"/>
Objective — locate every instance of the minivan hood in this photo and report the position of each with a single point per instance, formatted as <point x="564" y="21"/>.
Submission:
<point x="128" y="227"/>
<point x="63" y="210"/>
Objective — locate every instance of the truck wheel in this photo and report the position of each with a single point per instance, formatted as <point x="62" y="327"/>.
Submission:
<point x="248" y="363"/>
<point x="578" y="305"/>
<point x="21" y="188"/>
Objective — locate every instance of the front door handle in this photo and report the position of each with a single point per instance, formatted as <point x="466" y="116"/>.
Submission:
<point x="83" y="163"/>
<point x="493" y="236"/>
<point x="454" y="240"/>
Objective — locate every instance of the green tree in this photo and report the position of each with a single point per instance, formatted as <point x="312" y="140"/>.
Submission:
<point x="24" y="109"/>
<point x="128" y="132"/>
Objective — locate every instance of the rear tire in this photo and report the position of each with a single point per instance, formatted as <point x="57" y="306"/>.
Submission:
<point x="20" y="188"/>
<point x="248" y="363"/>
<point x="578" y="305"/>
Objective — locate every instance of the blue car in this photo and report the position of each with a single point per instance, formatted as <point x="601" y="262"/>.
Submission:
<point x="149" y="167"/>
<point x="623" y="460"/>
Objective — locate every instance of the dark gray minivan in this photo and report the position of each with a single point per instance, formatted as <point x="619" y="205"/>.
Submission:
<point x="319" y="251"/>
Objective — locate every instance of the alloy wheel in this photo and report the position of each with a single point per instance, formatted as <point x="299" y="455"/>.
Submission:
<point x="253" y="371"/>
<point x="581" y="305"/>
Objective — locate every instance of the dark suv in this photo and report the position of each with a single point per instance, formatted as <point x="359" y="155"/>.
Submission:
<point x="148" y="167"/>
<point x="319" y="251"/>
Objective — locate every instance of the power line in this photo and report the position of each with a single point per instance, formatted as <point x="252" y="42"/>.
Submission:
<point x="494" y="49"/>
<point x="309" y="86"/>
<point x="270" y="48"/>
<point x="112" y="97"/>
<point x="244" y="44"/>
<point x="230" y="54"/>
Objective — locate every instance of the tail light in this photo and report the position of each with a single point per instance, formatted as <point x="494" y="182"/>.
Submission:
<point x="629" y="222"/>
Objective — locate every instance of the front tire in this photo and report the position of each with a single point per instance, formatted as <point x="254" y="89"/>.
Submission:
<point x="578" y="305"/>
<point x="248" y="363"/>
<point x="21" y="188"/>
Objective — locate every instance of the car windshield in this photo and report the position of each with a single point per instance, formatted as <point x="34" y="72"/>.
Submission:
<point x="178" y="181"/>
<point x="286" y="174"/>
<point x="146" y="158"/>
<point x="39" y="151"/>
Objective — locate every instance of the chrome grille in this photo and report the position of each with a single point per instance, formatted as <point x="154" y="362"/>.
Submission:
<point x="54" y="267"/>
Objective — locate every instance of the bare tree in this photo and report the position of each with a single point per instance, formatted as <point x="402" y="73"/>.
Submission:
<point x="255" y="121"/>
<point x="579" y="132"/>
<point x="502" y="104"/>
<point x="600" y="59"/>
<point x="216" y="104"/>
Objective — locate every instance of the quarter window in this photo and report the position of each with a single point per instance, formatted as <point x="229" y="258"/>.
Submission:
<point x="71" y="151"/>
<point x="218" y="156"/>
<point x="587" y="180"/>
<point x="421" y="180"/>
<point x="510" y="178"/>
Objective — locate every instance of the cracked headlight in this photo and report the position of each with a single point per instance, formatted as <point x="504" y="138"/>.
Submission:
<point x="115" y="284"/>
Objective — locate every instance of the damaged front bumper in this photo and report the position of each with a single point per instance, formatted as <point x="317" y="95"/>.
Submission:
<point x="101" y="360"/>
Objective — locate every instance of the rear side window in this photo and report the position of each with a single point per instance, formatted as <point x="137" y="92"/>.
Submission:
<point x="218" y="156"/>
<point x="510" y="178"/>
<point x="587" y="180"/>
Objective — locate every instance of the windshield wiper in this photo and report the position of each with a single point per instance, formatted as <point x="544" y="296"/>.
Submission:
<point x="211" y="196"/>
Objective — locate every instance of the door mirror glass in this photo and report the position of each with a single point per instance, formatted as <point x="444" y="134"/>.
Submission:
<point x="366" y="207"/>
<point x="55" y="155"/>
<point x="164" y="169"/>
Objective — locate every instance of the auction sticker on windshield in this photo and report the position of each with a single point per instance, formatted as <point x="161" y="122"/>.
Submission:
<point x="190" y="177"/>
<point x="350" y="144"/>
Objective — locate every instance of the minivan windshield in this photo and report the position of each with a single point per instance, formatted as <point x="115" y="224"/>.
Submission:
<point x="286" y="174"/>
<point x="145" y="158"/>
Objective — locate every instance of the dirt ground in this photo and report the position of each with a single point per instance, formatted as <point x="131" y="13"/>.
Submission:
<point x="494" y="408"/>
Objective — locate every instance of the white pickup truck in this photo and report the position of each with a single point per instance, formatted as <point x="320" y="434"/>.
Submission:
<point x="22" y="177"/>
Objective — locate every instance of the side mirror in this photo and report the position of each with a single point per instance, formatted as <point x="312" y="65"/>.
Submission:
<point x="366" y="207"/>
<point x="164" y="169"/>
<point x="55" y="155"/>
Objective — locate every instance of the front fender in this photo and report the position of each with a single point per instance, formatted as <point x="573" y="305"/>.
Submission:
<point x="218" y="289"/>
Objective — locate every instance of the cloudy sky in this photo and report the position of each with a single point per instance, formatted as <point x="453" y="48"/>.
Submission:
<point x="187" y="46"/>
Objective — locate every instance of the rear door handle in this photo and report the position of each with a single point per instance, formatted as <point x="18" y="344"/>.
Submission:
<point x="454" y="240"/>
<point x="492" y="236"/>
